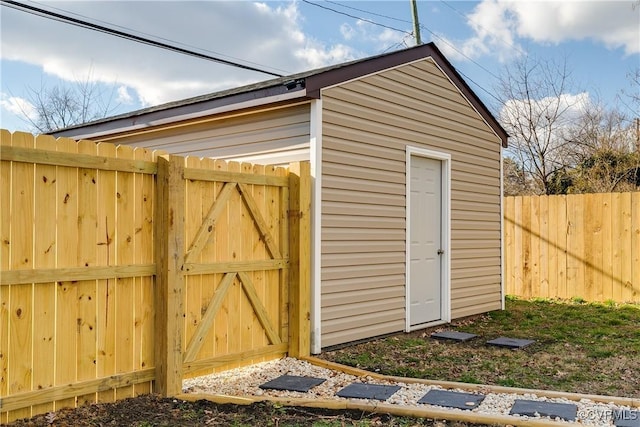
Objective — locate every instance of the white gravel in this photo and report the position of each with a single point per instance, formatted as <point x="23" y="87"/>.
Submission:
<point x="246" y="382"/>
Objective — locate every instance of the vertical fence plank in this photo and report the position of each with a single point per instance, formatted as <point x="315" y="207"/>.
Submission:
<point x="300" y="259"/>
<point x="543" y="247"/>
<point x="169" y="289"/>
<point x="258" y="252"/>
<point x="283" y="224"/>
<point x="106" y="289"/>
<point x="517" y="259"/>
<point x="5" y="256"/>
<point x="67" y="292"/>
<point x="209" y="253"/>
<point x="526" y="247"/>
<point x="535" y="233"/>
<point x="125" y="231"/>
<point x="86" y="257"/>
<point x="194" y="216"/>
<point x="20" y="303"/>
<point x="235" y="295"/>
<point x="248" y="237"/>
<point x="633" y="291"/>
<point x="44" y="308"/>
<point x="553" y="288"/>
<point x="222" y="322"/>
<point x="626" y="241"/>
<point x="607" y="244"/>
<point x="562" y="242"/>
<point x="509" y="250"/>
<point x="143" y="254"/>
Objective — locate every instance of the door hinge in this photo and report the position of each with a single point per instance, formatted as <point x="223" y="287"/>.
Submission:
<point x="440" y="251"/>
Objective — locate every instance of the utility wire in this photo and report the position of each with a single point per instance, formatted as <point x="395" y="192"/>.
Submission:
<point x="99" y="28"/>
<point x="68" y="12"/>
<point x="356" y="17"/>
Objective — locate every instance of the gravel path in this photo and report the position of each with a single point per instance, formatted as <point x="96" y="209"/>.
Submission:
<point x="245" y="382"/>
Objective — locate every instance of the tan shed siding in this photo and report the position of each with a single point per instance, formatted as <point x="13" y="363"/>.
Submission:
<point x="367" y="125"/>
<point x="259" y="135"/>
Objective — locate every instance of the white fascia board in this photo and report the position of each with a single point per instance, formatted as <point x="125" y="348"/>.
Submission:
<point x="315" y="153"/>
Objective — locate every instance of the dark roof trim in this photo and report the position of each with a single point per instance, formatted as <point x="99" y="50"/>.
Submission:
<point x="302" y="85"/>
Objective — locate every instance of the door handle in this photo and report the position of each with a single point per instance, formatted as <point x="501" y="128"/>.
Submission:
<point x="440" y="251"/>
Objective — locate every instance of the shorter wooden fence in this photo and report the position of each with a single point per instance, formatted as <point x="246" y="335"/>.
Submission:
<point x="566" y="246"/>
<point x="122" y="270"/>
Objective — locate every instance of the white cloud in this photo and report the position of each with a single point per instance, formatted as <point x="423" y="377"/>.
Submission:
<point x="18" y="106"/>
<point x="347" y="31"/>
<point x="261" y="35"/>
<point x="124" y="97"/>
<point x="498" y="24"/>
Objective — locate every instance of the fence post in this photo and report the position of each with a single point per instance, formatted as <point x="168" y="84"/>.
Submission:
<point x="299" y="259"/>
<point x="169" y="287"/>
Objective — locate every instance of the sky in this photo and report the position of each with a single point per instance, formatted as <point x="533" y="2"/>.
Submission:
<point x="600" y="41"/>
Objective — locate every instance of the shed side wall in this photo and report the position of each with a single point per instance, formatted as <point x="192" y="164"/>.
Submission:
<point x="272" y="136"/>
<point x="367" y="125"/>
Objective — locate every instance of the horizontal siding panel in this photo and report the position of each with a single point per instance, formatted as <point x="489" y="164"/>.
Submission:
<point x="361" y="284"/>
<point x="349" y="247"/>
<point x="338" y="195"/>
<point x="364" y="320"/>
<point x="458" y="313"/>
<point x="362" y="308"/>
<point x="463" y="201"/>
<point x="473" y="187"/>
<point x="487" y="299"/>
<point x="361" y="142"/>
<point x="432" y="80"/>
<point x="472" y="263"/>
<point x="369" y="174"/>
<point x="374" y="258"/>
<point x="457" y="234"/>
<point x="472" y="283"/>
<point x="476" y="179"/>
<point x="363" y="332"/>
<point x="476" y="291"/>
<point x="398" y="103"/>
<point x="475" y="244"/>
<point x="363" y="222"/>
<point x="337" y="157"/>
<point x="474" y="215"/>
<point x="462" y="225"/>
<point x="352" y="271"/>
<point x="465" y="273"/>
<point x="350" y="234"/>
<point x="400" y="117"/>
<point x="421" y="90"/>
<point x="488" y="169"/>
<point x="475" y="253"/>
<point x="355" y="184"/>
<point x="354" y="298"/>
<point x="362" y="209"/>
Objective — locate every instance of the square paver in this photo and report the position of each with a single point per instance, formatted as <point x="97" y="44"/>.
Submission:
<point x="452" y="399"/>
<point x="532" y="408"/>
<point x="510" y="342"/>
<point x="626" y="418"/>
<point x="368" y="391"/>
<point x="453" y="335"/>
<point x="293" y="383"/>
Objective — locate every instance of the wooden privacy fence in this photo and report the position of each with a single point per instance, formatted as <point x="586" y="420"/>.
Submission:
<point x="583" y="245"/>
<point x="122" y="271"/>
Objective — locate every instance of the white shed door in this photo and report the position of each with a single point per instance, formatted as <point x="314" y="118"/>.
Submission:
<point x="425" y="275"/>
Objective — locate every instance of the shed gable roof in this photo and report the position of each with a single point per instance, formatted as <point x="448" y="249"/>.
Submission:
<point x="306" y="85"/>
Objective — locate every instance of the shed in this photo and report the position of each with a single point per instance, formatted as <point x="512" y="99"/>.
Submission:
<point x="407" y="188"/>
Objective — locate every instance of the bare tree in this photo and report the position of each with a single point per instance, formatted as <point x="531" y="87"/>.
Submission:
<point x="63" y="105"/>
<point x="537" y="110"/>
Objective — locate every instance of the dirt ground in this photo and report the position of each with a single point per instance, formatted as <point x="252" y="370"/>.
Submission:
<point x="151" y="410"/>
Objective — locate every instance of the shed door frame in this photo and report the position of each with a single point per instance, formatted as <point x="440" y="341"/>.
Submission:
<point x="445" y="158"/>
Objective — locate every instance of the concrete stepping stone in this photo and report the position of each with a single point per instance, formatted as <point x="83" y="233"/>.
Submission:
<point x="510" y="342"/>
<point x="453" y="335"/>
<point x="532" y="408"/>
<point x="368" y="391"/>
<point x="293" y="383"/>
<point x="452" y="399"/>
<point x="626" y="418"/>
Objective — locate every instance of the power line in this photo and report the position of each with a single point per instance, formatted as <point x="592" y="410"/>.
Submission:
<point x="356" y="17"/>
<point x="127" y="36"/>
<point x="68" y="12"/>
<point x="368" y="12"/>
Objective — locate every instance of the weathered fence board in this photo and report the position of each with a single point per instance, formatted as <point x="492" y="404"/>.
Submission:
<point x="582" y="245"/>
<point x="113" y="263"/>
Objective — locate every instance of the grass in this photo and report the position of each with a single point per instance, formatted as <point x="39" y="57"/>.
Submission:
<point x="581" y="347"/>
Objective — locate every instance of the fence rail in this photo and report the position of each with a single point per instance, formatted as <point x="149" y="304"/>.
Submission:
<point x="566" y="246"/>
<point x="122" y="270"/>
